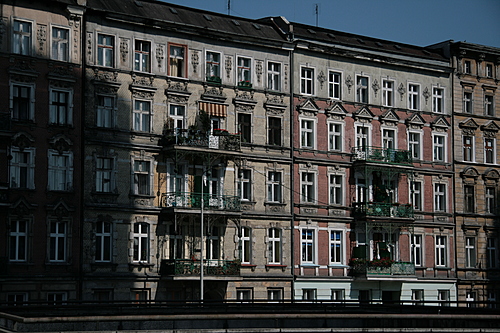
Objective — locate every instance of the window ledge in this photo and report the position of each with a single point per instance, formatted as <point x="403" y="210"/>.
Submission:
<point x="140" y="265"/>
<point x="338" y="266"/>
<point x="270" y="266"/>
<point x="95" y="265"/>
<point x="251" y="266"/>
<point x="309" y="265"/>
<point x="273" y="203"/>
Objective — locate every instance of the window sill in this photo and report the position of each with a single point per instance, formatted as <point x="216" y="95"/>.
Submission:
<point x="97" y="265"/>
<point x="337" y="266"/>
<point x="251" y="266"/>
<point x="140" y="265"/>
<point x="275" y="266"/>
<point x="309" y="265"/>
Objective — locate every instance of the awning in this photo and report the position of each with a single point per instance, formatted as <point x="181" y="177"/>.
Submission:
<point x="214" y="110"/>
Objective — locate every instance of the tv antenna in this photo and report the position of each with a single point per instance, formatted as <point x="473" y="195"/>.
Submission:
<point x="316" y="12"/>
<point x="228" y="7"/>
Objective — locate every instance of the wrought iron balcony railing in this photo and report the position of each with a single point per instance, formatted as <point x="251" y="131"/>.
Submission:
<point x="221" y="139"/>
<point x="382" y="267"/>
<point x="193" y="200"/>
<point x="382" y="155"/>
<point x="383" y="209"/>
<point x="188" y="267"/>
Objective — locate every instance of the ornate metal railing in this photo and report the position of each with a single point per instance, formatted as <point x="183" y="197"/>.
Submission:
<point x="383" y="209"/>
<point x="375" y="268"/>
<point x="193" y="200"/>
<point x="192" y="267"/>
<point x="221" y="140"/>
<point x="383" y="155"/>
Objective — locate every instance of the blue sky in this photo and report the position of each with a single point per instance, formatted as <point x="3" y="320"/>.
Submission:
<point x="417" y="22"/>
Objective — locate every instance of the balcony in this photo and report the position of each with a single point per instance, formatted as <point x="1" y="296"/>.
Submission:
<point x="362" y="267"/>
<point x="383" y="209"/>
<point x="219" y="139"/>
<point x="185" y="267"/>
<point x="382" y="155"/>
<point x="192" y="200"/>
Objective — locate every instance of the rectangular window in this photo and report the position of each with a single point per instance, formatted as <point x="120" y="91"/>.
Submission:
<point x="274" y="294"/>
<point x="413" y="96"/>
<point x="470" y="298"/>
<point x="245" y="187"/>
<point x="103" y="241"/>
<point x="104" y="175"/>
<point x="441" y="251"/>
<point x="274" y="76"/>
<point x="139" y="295"/>
<point x="469" y="204"/>
<point x="491" y="252"/>
<point x="60" y="171"/>
<point x="470" y="252"/>
<point x="308" y="294"/>
<point x="439" y="149"/>
<point x="105" y="111"/>
<point x="307" y="81"/>
<point x="177" y="62"/>
<point x="60" y="108"/>
<point x="244" y="70"/>
<point x="177" y="115"/>
<point x="438" y="100"/>
<point x="489" y="151"/>
<point x="213" y="244"/>
<point x="467" y="102"/>
<point x="213" y="67"/>
<point x="176" y="178"/>
<point x="274" y="186"/>
<point x="246" y="245"/>
<point x="388" y="93"/>
<point x="57" y="244"/>
<point x="18" y="241"/>
<point x="467" y="67"/>
<point x="244" y="294"/>
<point x="489" y="109"/>
<point x="491" y="201"/>
<point x="444" y="297"/>
<point x="142" y="176"/>
<point x="105" y="50"/>
<point x="274" y="131"/>
<point x="307" y="133"/>
<point x="176" y="243"/>
<point x="417" y="295"/>
<point x="336" y="247"/>
<point x="142" y="56"/>
<point x="335" y="137"/>
<point x="415" y="145"/>
<point x="57" y="298"/>
<point x="307" y="246"/>
<point x="468" y="148"/>
<point x="274" y="246"/>
<point x="334" y="85"/>
<point x="22" y="168"/>
<point x="362" y="137"/>
<point x="337" y="294"/>
<point x="489" y="70"/>
<point x="17" y="299"/>
<point x="416" y="250"/>
<point x="60" y="44"/>
<point x="142" y="116"/>
<point x="336" y="190"/>
<point x="22" y="38"/>
<point x="308" y="187"/>
<point x="362" y="89"/>
<point x="440" y="197"/>
<point x="22" y="102"/>
<point x="388" y="140"/>
<point x="141" y="242"/>
<point x="416" y="192"/>
<point x="245" y="127"/>
<point x="492" y="298"/>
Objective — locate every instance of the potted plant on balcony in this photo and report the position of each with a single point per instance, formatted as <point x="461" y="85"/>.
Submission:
<point x="214" y="79"/>
<point x="220" y="132"/>
<point x="245" y="84"/>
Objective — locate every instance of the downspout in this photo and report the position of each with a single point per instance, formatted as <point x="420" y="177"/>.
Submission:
<point x="452" y="115"/>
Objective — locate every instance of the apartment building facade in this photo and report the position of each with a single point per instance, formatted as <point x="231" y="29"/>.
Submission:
<point x="186" y="134"/>
<point x="41" y="148"/>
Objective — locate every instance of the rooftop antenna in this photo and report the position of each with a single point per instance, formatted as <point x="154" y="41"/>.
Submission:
<point x="316" y="11"/>
<point x="228" y="7"/>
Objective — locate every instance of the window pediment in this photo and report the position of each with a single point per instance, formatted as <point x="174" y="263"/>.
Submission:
<point x="440" y="125"/>
<point x="308" y="106"/>
<point x="336" y="110"/>
<point x="415" y="121"/>
<point x="389" y="117"/>
<point x="363" y="114"/>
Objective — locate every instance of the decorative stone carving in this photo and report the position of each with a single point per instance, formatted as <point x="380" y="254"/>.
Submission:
<point x="90" y="37"/>
<point x="468" y="127"/>
<point x="426" y="94"/>
<point x="124" y="42"/>
<point x="415" y="121"/>
<point x="321" y="79"/>
<point x="228" y="66"/>
<point x="258" y="70"/>
<point x="213" y="93"/>
<point x="275" y="99"/>
<point x="389" y="117"/>
<point x="363" y="115"/>
<point x="22" y="140"/>
<point x="336" y="111"/>
<point x="177" y="91"/>
<point x="61" y="143"/>
<point x="160" y="55"/>
<point x="285" y="76"/>
<point x="102" y="75"/>
<point x="440" y="125"/>
<point x="3" y="28"/>
<point x="308" y="107"/>
<point x="195" y="60"/>
<point x="22" y="71"/>
<point x="375" y="87"/>
<point x="401" y="91"/>
<point x="41" y="37"/>
<point x="349" y="83"/>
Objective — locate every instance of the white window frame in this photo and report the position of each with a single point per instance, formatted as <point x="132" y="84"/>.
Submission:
<point x="275" y="246"/>
<point x="336" y="247"/>
<point x="413" y="96"/>
<point x="104" y="174"/>
<point x="493" y="150"/>
<point x="417" y="194"/>
<point x="58" y="238"/>
<point x="105" y="50"/>
<point x="389" y="138"/>
<point x="105" y="113"/>
<point x="415" y="146"/>
<point x="174" y="58"/>
<point x="468" y="150"/>
<point x="444" y="297"/>
<point x="137" y="171"/>
<point x="274" y="186"/>
<point x="470" y="252"/>
<point x="309" y="294"/>
<point x="60" y="45"/>
<point x="308" y="187"/>
<point x="363" y="140"/>
<point x="335" y="136"/>
<point x="441" y="250"/>
<point x="489" y="105"/>
<point x="178" y="118"/>
<point x="307" y="80"/>
<point x="307" y="134"/>
<point x="467" y="67"/>
<point x="491" y="252"/>
<point x="440" y="197"/>
<point x="490" y="199"/>
<point x="308" y="246"/>
<point x="272" y="137"/>
<point x="142" y="56"/>
<point x="18" y="240"/>
<point x="362" y="89"/>
<point x="244" y="69"/>
<point x="30" y="101"/>
<point x="57" y="297"/>
<point x="439" y="148"/>
<point x="337" y="294"/>
<point x="438" y="95"/>
<point x="213" y="66"/>
<point x="388" y="93"/>
<point x="18" y="37"/>
<point x="213" y="244"/>
<point x="335" y="85"/>
<point x="177" y="180"/>
<point x="61" y="113"/>
<point x="142" y="117"/>
<point x="417" y="248"/>
<point x="336" y="189"/>
<point x="274" y="294"/>
<point x="141" y="242"/>
<point x="245" y="184"/>
<point x="488" y="70"/>
<point x="246" y="245"/>
<point x="58" y="171"/>
<point x="16" y="166"/>
<point x="468" y="100"/>
<point x="103" y="241"/>
<point x="274" y="75"/>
